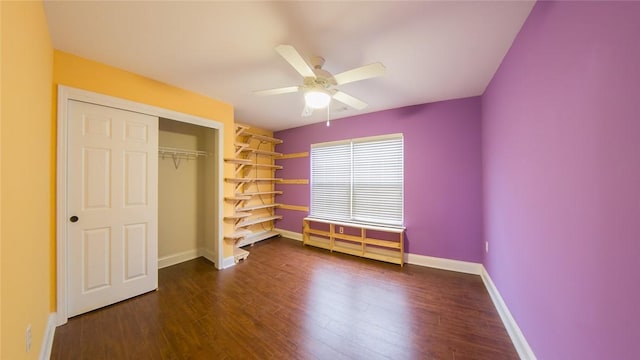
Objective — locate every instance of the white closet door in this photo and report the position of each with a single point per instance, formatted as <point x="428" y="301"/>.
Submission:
<point x="112" y="205"/>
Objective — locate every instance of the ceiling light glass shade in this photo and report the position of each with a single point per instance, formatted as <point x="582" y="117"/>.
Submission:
<point x="317" y="98"/>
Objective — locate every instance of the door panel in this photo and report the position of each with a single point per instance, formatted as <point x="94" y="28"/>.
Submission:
<point x="136" y="132"/>
<point x="98" y="125"/>
<point x="96" y="254"/>
<point x="135" y="179"/>
<point x="97" y="179"/>
<point x="135" y="238"/>
<point x="112" y="188"/>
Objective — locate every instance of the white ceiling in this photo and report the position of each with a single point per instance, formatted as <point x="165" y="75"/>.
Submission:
<point x="433" y="50"/>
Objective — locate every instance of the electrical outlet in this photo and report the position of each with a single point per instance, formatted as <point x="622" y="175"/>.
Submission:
<point x="486" y="246"/>
<point x="341" y="230"/>
<point x="27" y="338"/>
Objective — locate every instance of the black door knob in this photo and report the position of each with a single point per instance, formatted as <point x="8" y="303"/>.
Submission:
<point x="73" y="219"/>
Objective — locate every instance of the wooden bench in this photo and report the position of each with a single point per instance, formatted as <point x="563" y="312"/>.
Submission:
<point x="369" y="241"/>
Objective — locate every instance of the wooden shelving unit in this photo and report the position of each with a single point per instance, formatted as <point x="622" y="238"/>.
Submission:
<point x="237" y="216"/>
<point x="357" y="240"/>
<point x="294" y="182"/>
<point x="254" y="192"/>
<point x="257" y="207"/>
<point x="275" y="167"/>
<point x="263" y="193"/>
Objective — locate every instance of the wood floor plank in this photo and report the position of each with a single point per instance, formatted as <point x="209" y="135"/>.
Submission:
<point x="287" y="301"/>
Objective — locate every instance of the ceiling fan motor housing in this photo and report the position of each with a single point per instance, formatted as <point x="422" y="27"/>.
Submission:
<point x="323" y="78"/>
<point x="318" y="83"/>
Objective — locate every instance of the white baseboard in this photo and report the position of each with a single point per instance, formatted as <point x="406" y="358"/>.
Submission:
<point x="186" y="256"/>
<point x="517" y="338"/>
<point x="207" y="254"/>
<point x="47" y="340"/>
<point x="289" y="234"/>
<point x="178" y="258"/>
<point x="228" y="262"/>
<point x="415" y="259"/>
<point x="444" y="264"/>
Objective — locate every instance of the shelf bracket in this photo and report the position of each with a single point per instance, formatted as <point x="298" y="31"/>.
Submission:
<point x="176" y="161"/>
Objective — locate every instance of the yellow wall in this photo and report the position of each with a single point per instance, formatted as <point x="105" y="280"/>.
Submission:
<point x="26" y="200"/>
<point x="30" y="69"/>
<point x="89" y="75"/>
<point x="1" y="101"/>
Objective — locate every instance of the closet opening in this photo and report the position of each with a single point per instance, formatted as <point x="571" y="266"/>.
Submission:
<point x="200" y="236"/>
<point x="187" y="188"/>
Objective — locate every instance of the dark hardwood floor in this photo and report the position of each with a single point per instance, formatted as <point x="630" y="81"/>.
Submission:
<point x="287" y="301"/>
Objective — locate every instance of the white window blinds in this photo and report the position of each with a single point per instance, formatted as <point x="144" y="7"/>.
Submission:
<point x="331" y="181"/>
<point x="359" y="180"/>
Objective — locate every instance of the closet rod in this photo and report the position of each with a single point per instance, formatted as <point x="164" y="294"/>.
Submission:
<point x="179" y="154"/>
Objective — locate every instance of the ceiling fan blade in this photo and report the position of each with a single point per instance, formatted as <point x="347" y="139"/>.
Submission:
<point x="292" y="56"/>
<point x="360" y="73"/>
<point x="349" y="100"/>
<point x="307" y="111"/>
<point x="277" y="91"/>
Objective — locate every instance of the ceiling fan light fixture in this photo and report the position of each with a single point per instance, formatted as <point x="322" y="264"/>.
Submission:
<point x="317" y="98"/>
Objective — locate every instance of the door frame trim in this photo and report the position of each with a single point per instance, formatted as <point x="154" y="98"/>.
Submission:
<point x="66" y="93"/>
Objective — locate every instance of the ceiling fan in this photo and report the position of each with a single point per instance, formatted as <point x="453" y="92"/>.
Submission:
<point x="318" y="83"/>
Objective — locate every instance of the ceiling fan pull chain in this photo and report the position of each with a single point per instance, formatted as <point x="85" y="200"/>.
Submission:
<point x="328" y="118"/>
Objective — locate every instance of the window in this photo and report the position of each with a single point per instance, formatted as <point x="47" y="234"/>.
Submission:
<point x="359" y="180"/>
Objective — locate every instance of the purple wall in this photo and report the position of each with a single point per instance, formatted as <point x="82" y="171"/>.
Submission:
<point x="561" y="149"/>
<point x="443" y="172"/>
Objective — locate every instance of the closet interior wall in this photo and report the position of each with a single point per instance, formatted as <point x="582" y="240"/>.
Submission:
<point x="186" y="194"/>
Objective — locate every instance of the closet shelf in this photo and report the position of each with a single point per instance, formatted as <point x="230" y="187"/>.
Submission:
<point x="250" y="222"/>
<point x="183" y="153"/>
<point x="257" y="207"/>
<point x="177" y="155"/>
